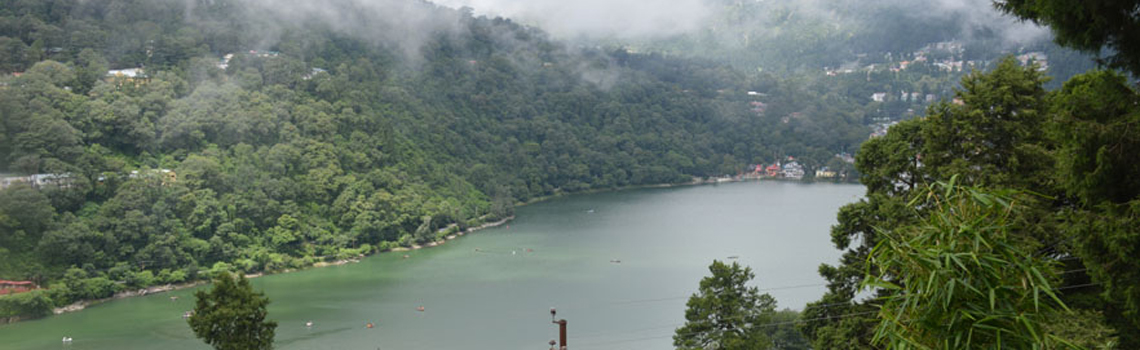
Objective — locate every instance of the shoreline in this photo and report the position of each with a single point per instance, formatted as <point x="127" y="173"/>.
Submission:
<point x="83" y="304"/>
<point x="696" y="181"/>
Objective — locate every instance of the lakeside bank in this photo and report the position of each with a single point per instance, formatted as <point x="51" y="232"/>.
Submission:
<point x="157" y="289"/>
<point x="443" y="235"/>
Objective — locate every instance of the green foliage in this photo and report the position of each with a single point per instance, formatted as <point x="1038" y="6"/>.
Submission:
<point x="31" y="304"/>
<point x="960" y="280"/>
<point x="1082" y="327"/>
<point x="193" y="170"/>
<point x="231" y="316"/>
<point x="1094" y="113"/>
<point x="995" y="137"/>
<point x="78" y="284"/>
<point x="1091" y="26"/>
<point x="1107" y="238"/>
<point x="1067" y="148"/>
<point x="725" y="313"/>
<point x="783" y="333"/>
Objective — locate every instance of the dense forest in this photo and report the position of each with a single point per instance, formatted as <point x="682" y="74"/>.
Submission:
<point x="181" y="142"/>
<point x="1007" y="220"/>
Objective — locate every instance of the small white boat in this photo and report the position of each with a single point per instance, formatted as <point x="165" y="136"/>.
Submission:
<point x="66" y="339"/>
<point x="309" y="324"/>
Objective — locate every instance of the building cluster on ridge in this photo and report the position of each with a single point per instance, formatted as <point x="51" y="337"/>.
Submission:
<point x="67" y="180"/>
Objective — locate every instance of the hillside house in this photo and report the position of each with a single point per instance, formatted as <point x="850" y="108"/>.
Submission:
<point x="129" y="73"/>
<point x="1034" y="57"/>
<point x="39" y="181"/>
<point x="773" y="170"/>
<point x="166" y="176"/>
<point x="313" y="73"/>
<point x="224" y="63"/>
<point x="825" y="173"/>
<point x="264" y="54"/>
<point x="793" y="170"/>
<point x="10" y="181"/>
<point x="879" y="96"/>
<point x="13" y="287"/>
<point x="758" y="107"/>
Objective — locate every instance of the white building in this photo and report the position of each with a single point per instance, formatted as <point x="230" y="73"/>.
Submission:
<point x="793" y="170"/>
<point x="39" y="181"/>
<point x="126" y="73"/>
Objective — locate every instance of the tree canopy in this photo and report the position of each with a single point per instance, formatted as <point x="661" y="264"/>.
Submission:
<point x="1059" y="149"/>
<point x="1095" y="26"/>
<point x="231" y="316"/>
<point x="726" y="313"/>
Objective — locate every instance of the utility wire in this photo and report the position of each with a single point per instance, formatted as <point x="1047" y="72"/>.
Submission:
<point x="771" y="324"/>
<point x="761" y="325"/>
<point x="639" y="301"/>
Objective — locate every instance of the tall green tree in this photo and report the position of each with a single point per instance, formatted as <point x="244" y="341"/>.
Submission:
<point x="1095" y="114"/>
<point x="1095" y="117"/>
<point x="1087" y="25"/>
<point x="231" y="316"/>
<point x="725" y="313"/>
<point x="90" y="67"/>
<point x="994" y="138"/>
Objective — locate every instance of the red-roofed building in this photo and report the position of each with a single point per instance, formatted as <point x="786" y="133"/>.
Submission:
<point x="13" y="287"/>
<point x="773" y="170"/>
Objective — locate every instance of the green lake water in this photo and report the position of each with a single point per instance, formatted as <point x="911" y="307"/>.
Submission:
<point x="487" y="291"/>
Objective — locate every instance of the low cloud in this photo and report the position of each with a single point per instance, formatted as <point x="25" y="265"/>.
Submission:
<point x="647" y="19"/>
<point x="598" y="18"/>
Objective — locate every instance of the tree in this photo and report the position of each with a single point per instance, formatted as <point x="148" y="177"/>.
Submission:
<point x="725" y="313"/>
<point x="1087" y="25"/>
<point x="231" y="316"/>
<point x="90" y="67"/>
<point x="784" y="334"/>
<point x="1098" y="166"/>
<point x="995" y="138"/>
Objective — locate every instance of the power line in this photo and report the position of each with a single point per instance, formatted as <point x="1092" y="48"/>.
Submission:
<point x="761" y="325"/>
<point x="1079" y="286"/>
<point x="639" y="301"/>
<point x="674" y="325"/>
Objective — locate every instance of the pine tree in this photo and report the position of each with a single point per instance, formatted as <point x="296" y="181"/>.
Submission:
<point x="231" y="316"/>
<point x="724" y="312"/>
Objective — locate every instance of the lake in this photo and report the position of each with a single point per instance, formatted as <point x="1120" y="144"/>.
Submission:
<point x="493" y="289"/>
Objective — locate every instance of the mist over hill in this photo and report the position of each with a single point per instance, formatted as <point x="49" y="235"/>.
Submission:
<point x="161" y="141"/>
<point x="189" y="137"/>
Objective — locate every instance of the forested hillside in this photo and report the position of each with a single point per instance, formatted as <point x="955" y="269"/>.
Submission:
<point x="802" y="36"/>
<point x="184" y="138"/>
<point x="165" y="141"/>
<point x="1006" y="220"/>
